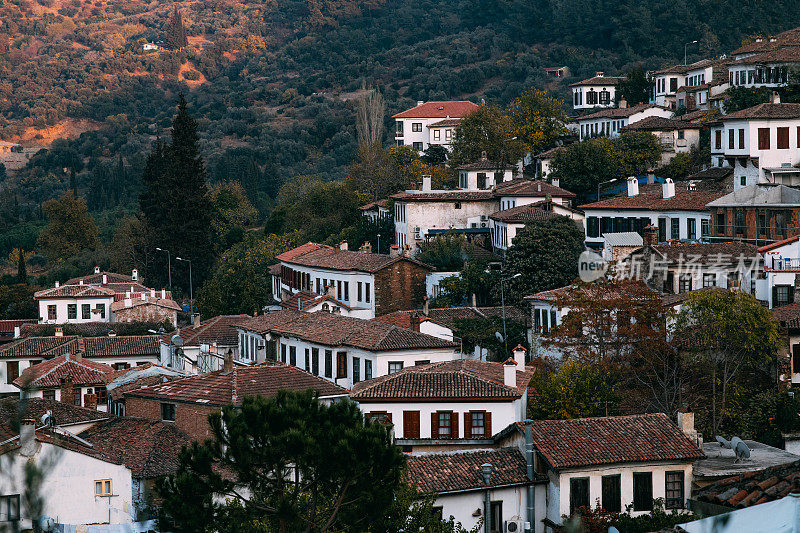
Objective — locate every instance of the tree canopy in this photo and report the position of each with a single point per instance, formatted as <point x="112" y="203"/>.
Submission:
<point x="70" y="229"/>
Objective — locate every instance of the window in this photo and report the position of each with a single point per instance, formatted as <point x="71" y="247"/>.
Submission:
<point x="383" y="417"/>
<point x="102" y="487"/>
<point x="731" y="140"/>
<point x="293" y="355"/>
<point x="477" y="424"/>
<point x="591" y="97"/>
<point x="741" y="139"/>
<point x="709" y="280"/>
<point x="437" y="135"/>
<point x="496" y="517"/>
<point x="410" y="424"/>
<point x="684" y="283"/>
<point x="675" y="228"/>
<point x="168" y="412"/>
<point x="422" y="362"/>
<point x="51" y="312"/>
<point x="49" y="394"/>
<point x="593" y="227"/>
<point x="763" y="138"/>
<point x="315" y="361"/>
<point x="674" y="490"/>
<point x="86" y="311"/>
<point x="681" y="134"/>
<point x="642" y="491"/>
<point x="721" y="229"/>
<point x="673" y="85"/>
<point x="783" y="139"/>
<point x="307" y="365"/>
<point x="346" y="291"/>
<point x="395" y="366"/>
<point x="12" y="371"/>
<point x="795" y="358"/>
<point x="442" y="425"/>
<point x="612" y="493"/>
<point x="605" y="97"/>
<point x="77" y="396"/>
<point x="341" y="364"/>
<point x="417" y="146"/>
<point x="578" y="493"/>
<point x="328" y="363"/>
<point x="782" y="295"/>
<point x="72" y="311"/>
<point x="705" y="230"/>
<point x="416" y="126"/>
<point x="356" y="369"/>
<point x="102" y="395"/>
<point x="9" y="508"/>
<point x="367" y="294"/>
<point x="691" y="229"/>
<point x="358" y="291"/>
<point x="367" y="369"/>
<point x="457" y="205"/>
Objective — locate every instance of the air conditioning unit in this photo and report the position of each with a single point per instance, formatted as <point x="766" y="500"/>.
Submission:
<point x="483" y="224"/>
<point x="484" y="218"/>
<point x="514" y="526"/>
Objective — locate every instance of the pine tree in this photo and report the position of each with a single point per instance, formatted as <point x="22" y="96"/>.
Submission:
<point x="22" y="270"/>
<point x="176" y="32"/>
<point x="73" y="182"/>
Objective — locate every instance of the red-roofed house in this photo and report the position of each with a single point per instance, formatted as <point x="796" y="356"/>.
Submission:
<point x="596" y="92"/>
<point x="430" y="123"/>
<point x="68" y="378"/>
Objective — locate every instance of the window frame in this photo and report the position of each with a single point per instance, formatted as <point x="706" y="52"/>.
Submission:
<point x="611" y="483"/>
<point x="393" y="364"/>
<point x="166" y="407"/>
<point x="341" y="364"/>
<point x="573" y="503"/>
<point x="106" y="488"/>
<point x="640" y="500"/>
<point x="674" y="502"/>
<point x="5" y="503"/>
<point x="782" y="140"/>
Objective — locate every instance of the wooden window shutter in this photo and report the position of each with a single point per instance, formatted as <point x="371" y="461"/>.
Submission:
<point x="487" y="424"/>
<point x="434" y="424"/>
<point x="411" y="424"/>
<point x="467" y="424"/>
<point x="454" y="422"/>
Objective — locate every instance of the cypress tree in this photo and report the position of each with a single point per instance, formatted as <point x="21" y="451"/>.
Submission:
<point x="22" y="269"/>
<point x="176" y="32"/>
<point x="73" y="181"/>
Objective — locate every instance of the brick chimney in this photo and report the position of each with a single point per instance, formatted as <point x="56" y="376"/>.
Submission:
<point x="510" y="372"/>
<point x="66" y="390"/>
<point x="414" y="321"/>
<point x="227" y="364"/>
<point x="90" y="401"/>
<point x="686" y="423"/>
<point x="394" y="251"/>
<point x="650" y="236"/>
<point x="623" y="103"/>
<point x="366" y="247"/>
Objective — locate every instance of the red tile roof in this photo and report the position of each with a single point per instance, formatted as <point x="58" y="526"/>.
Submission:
<point x="372" y="205"/>
<point x="462" y="379"/>
<point x="766" y="111"/>
<point x="619" y="112"/>
<point x="485" y="164"/>
<point x="752" y="488"/>
<point x="788" y="315"/>
<point x="7" y="326"/>
<point x="219" y="329"/>
<point x="298" y="251"/>
<point x="439" y="110"/>
<point x="662" y="124"/>
<point x="614" y="439"/>
<point x="149" y="448"/>
<point x="93" y="347"/>
<point x="14" y="409"/>
<point x="703" y="253"/>
<point x="97" y="279"/>
<point x="49" y="374"/>
<point x="682" y="69"/>
<point x="332" y="258"/>
<point x="599" y="80"/>
<point x="445" y="196"/>
<point x="522" y="214"/>
<point x="530" y="188"/>
<point x="446" y="316"/>
<point x="650" y="198"/>
<point x="458" y="472"/>
<point x="785" y="54"/>
<point x="336" y="330"/>
<point x="74" y="291"/>
<point x="223" y="388"/>
<point x="778" y="244"/>
<point x="444" y="123"/>
<point x="303" y="300"/>
<point x="166" y="303"/>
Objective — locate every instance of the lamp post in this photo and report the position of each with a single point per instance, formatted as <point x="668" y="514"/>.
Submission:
<point x="379" y="243"/>
<point x="191" y="295"/>
<point x="169" y="266"/>
<point x="503" y="306"/>
<point x="486" y="472"/>
<point x="603" y="183"/>
<point x="501" y="163"/>
<point x="684" y="50"/>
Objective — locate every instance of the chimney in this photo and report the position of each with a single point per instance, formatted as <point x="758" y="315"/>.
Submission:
<point x="633" y="186"/>
<point x="651" y="176"/>
<point x="425" y="306"/>
<point x="90" y="401"/>
<point x="96" y="270"/>
<point x="343" y="246"/>
<point x="59" y="331"/>
<point x="420" y="102"/>
<point x="599" y="74"/>
<point x="80" y="282"/>
<point x="196" y="321"/>
<point x="394" y="251"/>
<point x="134" y="275"/>
<point x="474" y="300"/>
<point x="27" y="437"/>
<point x="128" y="302"/>
<point x="152" y="293"/>
<point x="66" y="390"/>
<point x="413" y="321"/>
<point x="17" y="332"/>
<point x="163" y="294"/>
<point x="81" y="349"/>
<point x="105" y="279"/>
<point x="622" y="103"/>
<point x="686" y="423"/>
<point x="227" y="365"/>
<point x="539" y="187"/>
<point x="329" y="291"/>
<point x="555" y="181"/>
<point x="426" y="183"/>
<point x="366" y="247"/>
<point x="776" y="98"/>
<point x="510" y="372"/>
<point x="483" y="155"/>
<point x="58" y="284"/>
<point x="668" y="189"/>
<point x="650" y="236"/>
<point x="519" y="355"/>
<point x="143" y="296"/>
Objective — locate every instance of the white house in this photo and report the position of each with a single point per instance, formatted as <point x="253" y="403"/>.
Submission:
<point x="669" y="80"/>
<point x="67" y="378"/>
<point x="616" y="460"/>
<point x="342" y="349"/>
<point x="610" y="122"/>
<point x="505" y="224"/>
<point x="596" y="92"/>
<point x="202" y="347"/>
<point x="676" y="136"/>
<point x="761" y="143"/>
<point x="430" y="123"/>
<point x="678" y="210"/>
<point x="375" y="211"/>
<point x="483" y="174"/>
<point x="427" y="413"/>
<point x="781" y="269"/>
<point x="364" y="283"/>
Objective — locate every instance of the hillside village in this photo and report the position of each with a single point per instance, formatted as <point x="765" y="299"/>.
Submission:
<point x="509" y="334"/>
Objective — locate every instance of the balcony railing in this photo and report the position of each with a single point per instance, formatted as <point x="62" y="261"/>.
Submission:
<point x="785" y="263"/>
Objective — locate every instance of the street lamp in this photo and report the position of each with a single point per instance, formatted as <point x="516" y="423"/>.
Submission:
<point x="501" y="163"/>
<point x="684" y="50"/>
<point x="603" y="183"/>
<point x="191" y="296"/>
<point x="169" y="266"/>
<point x="486" y="472"/>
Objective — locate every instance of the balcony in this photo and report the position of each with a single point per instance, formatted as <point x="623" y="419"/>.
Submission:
<point x="784" y="263"/>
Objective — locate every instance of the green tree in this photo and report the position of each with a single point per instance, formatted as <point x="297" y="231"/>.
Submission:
<point x="233" y="211"/>
<point x="292" y="463"/>
<point x="436" y="154"/>
<point x="637" y="151"/>
<point x="474" y="280"/>
<point x="16" y="301"/>
<point x="176" y="31"/>
<point x="577" y="390"/>
<point x="70" y="229"/>
<point x="636" y="86"/>
<point x="740" y="97"/>
<point x="22" y="270"/>
<point x="241" y="283"/>
<point x="487" y="129"/>
<point x="127" y="247"/>
<point x="446" y="252"/>
<point x="538" y="120"/>
<point x="483" y="332"/>
<point x="582" y="166"/>
<point x="545" y="255"/>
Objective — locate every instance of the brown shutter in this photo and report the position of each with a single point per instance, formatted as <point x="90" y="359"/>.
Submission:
<point x="487" y="424"/>
<point x="435" y="424"/>
<point x="454" y="421"/>
<point x="467" y="424"/>
<point x="411" y="424"/>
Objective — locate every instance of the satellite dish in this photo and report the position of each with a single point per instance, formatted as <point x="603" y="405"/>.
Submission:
<point x="724" y="442"/>
<point x="47" y="419"/>
<point x="177" y="340"/>
<point x="741" y="449"/>
<point x="499" y="336"/>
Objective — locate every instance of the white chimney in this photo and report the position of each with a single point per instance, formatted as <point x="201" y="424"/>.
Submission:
<point x="143" y="296"/>
<point x="426" y="182"/>
<point x="510" y="373"/>
<point x="519" y="355"/>
<point x="668" y="189"/>
<point x="152" y="293"/>
<point x="633" y="186"/>
<point x="80" y="282"/>
<point x="343" y="246"/>
<point x="96" y="270"/>
<point x="686" y="423"/>
<point x="17" y="332"/>
<point x="651" y="176"/>
<point x="134" y="275"/>
<point x="128" y="302"/>
<point x="27" y="438"/>
<point x="58" y="284"/>
<point x="623" y="103"/>
<point x="163" y="294"/>
<point x="600" y="74"/>
<point x="105" y="279"/>
<point x="555" y="181"/>
<point x="420" y="102"/>
<point x="776" y="98"/>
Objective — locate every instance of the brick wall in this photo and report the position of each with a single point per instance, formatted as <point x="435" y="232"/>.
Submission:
<point x="398" y="287"/>
<point x="192" y="419"/>
<point x="791" y="218"/>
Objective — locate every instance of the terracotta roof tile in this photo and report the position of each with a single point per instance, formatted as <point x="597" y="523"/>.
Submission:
<point x="445" y="196"/>
<point x="752" y="488"/>
<point x="530" y="188"/>
<point x="784" y="54"/>
<point x="65" y="414"/>
<point x="447" y="316"/>
<point x="766" y="111"/>
<point x="50" y="373"/>
<point x="73" y="291"/>
<point x="662" y="124"/>
<point x="7" y="326"/>
<point x="97" y="279"/>
<point x="331" y="258"/>
<point x="614" y="439"/>
<point x="450" y="380"/>
<point x="485" y="164"/>
<point x="93" y="347"/>
<point x="619" y="112"/>
<point x="444" y="123"/>
<point x="220" y="329"/>
<point x="599" y="81"/>
<point x="522" y="214"/>
<point x="650" y="198"/>
<point x="682" y="69"/>
<point x="452" y="109"/>
<point x="453" y="472"/>
<point x="702" y="253"/>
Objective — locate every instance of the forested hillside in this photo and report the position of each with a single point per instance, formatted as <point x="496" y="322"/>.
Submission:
<point x="273" y="83"/>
